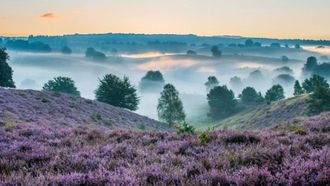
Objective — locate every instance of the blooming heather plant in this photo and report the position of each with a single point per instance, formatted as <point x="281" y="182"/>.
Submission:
<point x="42" y="154"/>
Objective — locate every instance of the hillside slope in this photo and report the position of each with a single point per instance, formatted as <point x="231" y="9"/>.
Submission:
<point x="263" y="116"/>
<point x="28" y="106"/>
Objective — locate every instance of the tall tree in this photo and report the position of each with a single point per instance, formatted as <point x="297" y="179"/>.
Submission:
<point x="249" y="95"/>
<point x="298" y="90"/>
<point x="275" y="93"/>
<point x="117" y="92"/>
<point x="62" y="84"/>
<point x="170" y="107"/>
<point x="319" y="100"/>
<point x="6" y="72"/>
<point x="310" y="84"/>
<point x="222" y="102"/>
<point x="212" y="82"/>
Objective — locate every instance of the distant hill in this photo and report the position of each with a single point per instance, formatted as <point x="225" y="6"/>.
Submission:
<point x="47" y="108"/>
<point x="264" y="116"/>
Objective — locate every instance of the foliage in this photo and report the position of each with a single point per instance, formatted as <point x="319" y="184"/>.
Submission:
<point x="222" y="102"/>
<point x="152" y="81"/>
<point x="66" y="50"/>
<point x="191" y="52"/>
<point x="249" y="43"/>
<point x="284" y="79"/>
<point x="95" y="55"/>
<point x="117" y="92"/>
<point x="284" y="70"/>
<point x="285" y="59"/>
<point x="310" y="84"/>
<point x="212" y="82"/>
<point x="96" y="117"/>
<point x="319" y="100"/>
<point x="170" y="108"/>
<point x="62" y="84"/>
<point x="249" y="95"/>
<point x="94" y="155"/>
<point x="298" y="90"/>
<point x="18" y="44"/>
<point x="6" y="72"/>
<point x="216" y="52"/>
<point x="204" y="137"/>
<point x="275" y="93"/>
<point x="185" y="127"/>
<point x="310" y="65"/>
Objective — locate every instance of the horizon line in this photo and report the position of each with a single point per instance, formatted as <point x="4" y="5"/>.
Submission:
<point x="131" y="33"/>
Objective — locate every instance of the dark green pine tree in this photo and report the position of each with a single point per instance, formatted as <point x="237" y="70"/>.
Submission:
<point x="275" y="93"/>
<point x="298" y="90"/>
<point x="170" y="107"/>
<point x="6" y="73"/>
<point x="319" y="100"/>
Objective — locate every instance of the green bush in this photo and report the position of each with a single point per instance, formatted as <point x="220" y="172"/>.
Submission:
<point x="185" y="127"/>
<point x="204" y="137"/>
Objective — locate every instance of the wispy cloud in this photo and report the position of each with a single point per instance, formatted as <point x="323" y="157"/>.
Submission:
<point x="49" y="15"/>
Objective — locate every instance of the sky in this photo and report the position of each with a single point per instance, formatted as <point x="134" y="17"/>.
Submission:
<point x="304" y="19"/>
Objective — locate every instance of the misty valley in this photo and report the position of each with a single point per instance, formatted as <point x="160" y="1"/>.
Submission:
<point x="184" y="61"/>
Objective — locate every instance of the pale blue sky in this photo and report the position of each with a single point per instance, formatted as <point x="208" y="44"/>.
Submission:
<point x="257" y="18"/>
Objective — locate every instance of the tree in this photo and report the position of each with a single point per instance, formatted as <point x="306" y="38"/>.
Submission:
<point x="285" y="59"/>
<point x="66" y="50"/>
<point x="310" y="65"/>
<point x="152" y="81"/>
<point x="61" y="84"/>
<point x="222" y="102"/>
<point x="6" y="72"/>
<point x="95" y="55"/>
<point x="249" y="43"/>
<point x="216" y="52"/>
<point x="320" y="100"/>
<point x="170" y="107"/>
<point x="298" y="90"/>
<point x="284" y="79"/>
<point x="249" y="95"/>
<point x="275" y="93"/>
<point x="310" y="84"/>
<point x="191" y="52"/>
<point x="117" y="92"/>
<point x="212" y="82"/>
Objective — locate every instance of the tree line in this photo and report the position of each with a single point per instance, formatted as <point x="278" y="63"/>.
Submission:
<point x="120" y="92"/>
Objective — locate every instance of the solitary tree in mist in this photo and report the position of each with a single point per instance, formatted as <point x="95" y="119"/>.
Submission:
<point x="275" y="93"/>
<point x="212" y="82"/>
<point x="66" y="50"/>
<point x="170" y="107"/>
<point x="319" y="100"/>
<point x="62" y="84"/>
<point x="6" y="73"/>
<point x="222" y="102"/>
<point x="310" y="84"/>
<point x="117" y="92"/>
<point x="152" y="81"/>
<point x="216" y="52"/>
<point x="285" y="59"/>
<point x="95" y="55"/>
<point x="310" y="65"/>
<point x="249" y="95"/>
<point x="298" y="90"/>
<point x="191" y="52"/>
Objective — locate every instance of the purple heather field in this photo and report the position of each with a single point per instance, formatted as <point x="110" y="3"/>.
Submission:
<point x="76" y="154"/>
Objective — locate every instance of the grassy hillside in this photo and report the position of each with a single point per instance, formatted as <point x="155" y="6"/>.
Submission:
<point x="263" y="116"/>
<point x="47" y="108"/>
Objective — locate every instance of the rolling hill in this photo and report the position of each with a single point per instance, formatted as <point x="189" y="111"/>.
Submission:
<point x="47" y="108"/>
<point x="264" y="116"/>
